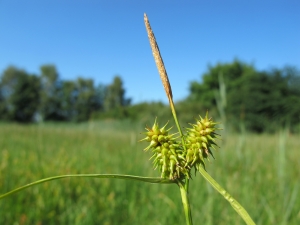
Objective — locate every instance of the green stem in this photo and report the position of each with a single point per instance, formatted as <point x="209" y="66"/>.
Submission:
<point x="183" y="187"/>
<point x="116" y="176"/>
<point x="177" y="123"/>
<point x="185" y="202"/>
<point x="235" y="205"/>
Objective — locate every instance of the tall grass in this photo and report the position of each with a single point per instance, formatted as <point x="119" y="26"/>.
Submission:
<point x="29" y="153"/>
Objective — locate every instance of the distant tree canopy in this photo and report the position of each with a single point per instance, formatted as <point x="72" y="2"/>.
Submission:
<point x="235" y="92"/>
<point x="19" y="95"/>
<point x="259" y="99"/>
<point x="45" y="97"/>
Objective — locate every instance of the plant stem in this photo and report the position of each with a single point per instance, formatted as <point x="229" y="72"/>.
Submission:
<point x="185" y="202"/>
<point x="235" y="205"/>
<point x="184" y="187"/>
<point x="177" y="123"/>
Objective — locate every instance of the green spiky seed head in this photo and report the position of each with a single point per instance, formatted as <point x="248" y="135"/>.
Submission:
<point x="171" y="157"/>
<point x="168" y="155"/>
<point x="200" y="140"/>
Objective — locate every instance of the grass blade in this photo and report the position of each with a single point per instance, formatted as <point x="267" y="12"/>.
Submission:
<point x="113" y="176"/>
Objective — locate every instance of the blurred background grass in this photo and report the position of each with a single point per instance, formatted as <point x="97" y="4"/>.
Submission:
<point x="260" y="171"/>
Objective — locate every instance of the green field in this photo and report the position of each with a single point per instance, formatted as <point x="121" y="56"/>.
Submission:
<point x="261" y="171"/>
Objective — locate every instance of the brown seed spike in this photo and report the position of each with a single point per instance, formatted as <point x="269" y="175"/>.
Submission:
<point x="158" y="60"/>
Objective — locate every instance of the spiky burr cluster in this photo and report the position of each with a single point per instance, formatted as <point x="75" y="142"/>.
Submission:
<point x="174" y="159"/>
<point x="168" y="154"/>
<point x="199" y="141"/>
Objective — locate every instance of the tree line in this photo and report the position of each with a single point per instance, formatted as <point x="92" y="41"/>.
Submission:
<point x="236" y="93"/>
<point x="242" y="95"/>
<point x="28" y="97"/>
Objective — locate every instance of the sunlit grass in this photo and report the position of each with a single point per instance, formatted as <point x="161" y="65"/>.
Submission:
<point x="29" y="153"/>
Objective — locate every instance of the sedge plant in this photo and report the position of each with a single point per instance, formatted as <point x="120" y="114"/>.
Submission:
<point x="175" y="155"/>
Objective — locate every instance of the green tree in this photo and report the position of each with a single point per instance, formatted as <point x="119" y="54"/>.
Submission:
<point x="265" y="100"/>
<point x="25" y="98"/>
<point x="204" y="92"/>
<point x="262" y="100"/>
<point x="100" y="96"/>
<point x="9" y="79"/>
<point x="68" y="100"/>
<point x="3" y="108"/>
<point x="80" y="99"/>
<point x="51" y="93"/>
<point x="20" y="95"/>
<point x="86" y="99"/>
<point x="114" y="99"/>
<point x="287" y="111"/>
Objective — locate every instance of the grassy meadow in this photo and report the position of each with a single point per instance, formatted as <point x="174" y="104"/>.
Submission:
<point x="261" y="171"/>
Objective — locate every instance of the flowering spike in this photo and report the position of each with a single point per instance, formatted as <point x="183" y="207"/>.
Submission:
<point x="200" y="138"/>
<point x="167" y="153"/>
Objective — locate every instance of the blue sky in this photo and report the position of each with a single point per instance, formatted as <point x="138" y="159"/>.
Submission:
<point x="100" y="39"/>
